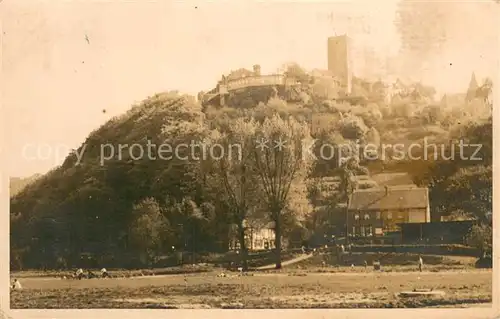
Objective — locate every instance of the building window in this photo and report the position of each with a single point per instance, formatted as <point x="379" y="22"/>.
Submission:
<point x="389" y="215"/>
<point x="367" y="216"/>
<point x="378" y="215"/>
<point x="356" y="217"/>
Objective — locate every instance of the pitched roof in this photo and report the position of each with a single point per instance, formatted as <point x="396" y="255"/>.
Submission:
<point x="395" y="198"/>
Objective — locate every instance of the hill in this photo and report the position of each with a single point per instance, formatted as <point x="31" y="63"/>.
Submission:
<point x="17" y="184"/>
<point x="117" y="199"/>
<point x="88" y="208"/>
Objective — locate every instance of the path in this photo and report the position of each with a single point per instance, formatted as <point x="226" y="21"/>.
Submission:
<point x="288" y="262"/>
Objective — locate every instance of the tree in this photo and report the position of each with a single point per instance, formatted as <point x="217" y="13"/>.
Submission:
<point x="327" y="214"/>
<point x="373" y="137"/>
<point x="402" y="109"/>
<point x="347" y="172"/>
<point x="149" y="228"/>
<point x="372" y="115"/>
<point x="353" y="127"/>
<point x="433" y="114"/>
<point x="462" y="186"/>
<point x="481" y="237"/>
<point x="485" y="92"/>
<point x="279" y="164"/>
<point x="231" y="175"/>
<point x="294" y="70"/>
<point x="472" y="191"/>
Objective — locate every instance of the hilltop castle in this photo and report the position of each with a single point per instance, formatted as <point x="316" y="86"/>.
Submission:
<point x="328" y="83"/>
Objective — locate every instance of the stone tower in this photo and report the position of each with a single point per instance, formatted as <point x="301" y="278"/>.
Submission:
<point x="340" y="60"/>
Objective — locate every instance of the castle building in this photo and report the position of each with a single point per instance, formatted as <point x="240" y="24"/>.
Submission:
<point x="340" y="60"/>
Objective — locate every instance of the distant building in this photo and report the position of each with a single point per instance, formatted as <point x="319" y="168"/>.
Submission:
<point x="376" y="211"/>
<point x="326" y="84"/>
<point x="258" y="236"/>
<point x="472" y="90"/>
<point x="340" y="60"/>
<point x="242" y="79"/>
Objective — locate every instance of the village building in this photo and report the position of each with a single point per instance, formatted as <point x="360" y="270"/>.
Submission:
<point x="378" y="211"/>
<point x="259" y="235"/>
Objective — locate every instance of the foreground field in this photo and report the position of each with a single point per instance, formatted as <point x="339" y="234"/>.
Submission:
<point x="359" y="289"/>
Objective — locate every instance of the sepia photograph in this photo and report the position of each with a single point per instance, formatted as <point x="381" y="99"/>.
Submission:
<point x="249" y="155"/>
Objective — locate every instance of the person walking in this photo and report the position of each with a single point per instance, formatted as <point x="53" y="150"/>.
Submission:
<point x="420" y="263"/>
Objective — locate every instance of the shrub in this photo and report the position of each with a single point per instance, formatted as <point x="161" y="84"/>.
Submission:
<point x="480" y="237"/>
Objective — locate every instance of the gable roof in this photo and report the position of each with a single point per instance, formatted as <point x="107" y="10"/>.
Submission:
<point x="395" y="198"/>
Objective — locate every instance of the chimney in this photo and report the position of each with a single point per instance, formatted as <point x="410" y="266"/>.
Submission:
<point x="386" y="190"/>
<point x="256" y="70"/>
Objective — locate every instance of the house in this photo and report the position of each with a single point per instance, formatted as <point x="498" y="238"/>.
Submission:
<point x="377" y="211"/>
<point x="325" y="84"/>
<point x="258" y="236"/>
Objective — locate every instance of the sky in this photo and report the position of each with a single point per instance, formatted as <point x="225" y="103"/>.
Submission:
<point x="56" y="84"/>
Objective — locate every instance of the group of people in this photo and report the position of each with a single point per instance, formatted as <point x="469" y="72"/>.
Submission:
<point x="79" y="274"/>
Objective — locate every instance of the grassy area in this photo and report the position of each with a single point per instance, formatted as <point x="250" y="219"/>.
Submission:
<point x="186" y="269"/>
<point x="325" y="263"/>
<point x="390" y="261"/>
<point x="204" y="264"/>
<point x="346" y="289"/>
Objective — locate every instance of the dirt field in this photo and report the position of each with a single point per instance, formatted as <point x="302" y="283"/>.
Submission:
<point x="343" y="289"/>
